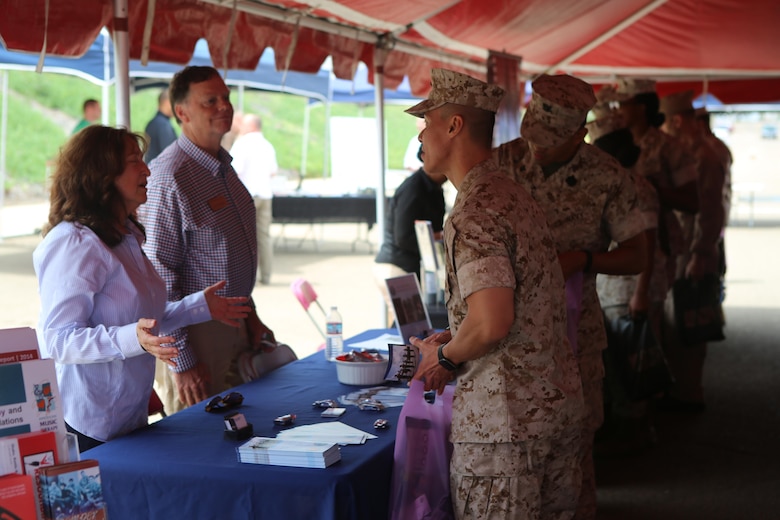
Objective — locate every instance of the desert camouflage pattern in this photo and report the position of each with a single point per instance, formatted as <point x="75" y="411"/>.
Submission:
<point x="607" y="94"/>
<point x="627" y="88"/>
<point x="558" y="108"/>
<point x="588" y="203"/>
<point x="667" y="163"/>
<point x="606" y="102"/>
<point x="701" y="231"/>
<point x="618" y="289"/>
<point x="528" y="386"/>
<point x="448" y="86"/>
<point x="676" y="103"/>
<point x="606" y="123"/>
<point x="725" y="157"/>
<point x="501" y="481"/>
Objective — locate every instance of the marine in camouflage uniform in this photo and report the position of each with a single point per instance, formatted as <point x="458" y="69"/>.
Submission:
<point x="726" y="158"/>
<point x="497" y="236"/>
<point x="629" y="427"/>
<point x="518" y="404"/>
<point x="701" y="255"/>
<point x="589" y="201"/>
<point x="664" y="161"/>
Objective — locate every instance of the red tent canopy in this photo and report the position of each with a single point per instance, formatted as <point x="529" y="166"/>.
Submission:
<point x="726" y="47"/>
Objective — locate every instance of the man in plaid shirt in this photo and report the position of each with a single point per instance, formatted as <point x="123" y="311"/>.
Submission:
<point x="200" y="226"/>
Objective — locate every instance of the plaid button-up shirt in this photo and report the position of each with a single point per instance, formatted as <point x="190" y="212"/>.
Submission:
<point x="200" y="227"/>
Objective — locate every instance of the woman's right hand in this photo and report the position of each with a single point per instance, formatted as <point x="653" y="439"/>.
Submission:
<point x="155" y="345"/>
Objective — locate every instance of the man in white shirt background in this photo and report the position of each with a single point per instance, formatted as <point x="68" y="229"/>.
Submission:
<point x="254" y="160"/>
<point x="411" y="162"/>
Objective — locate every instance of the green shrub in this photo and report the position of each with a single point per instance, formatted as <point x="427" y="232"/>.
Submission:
<point x="43" y="108"/>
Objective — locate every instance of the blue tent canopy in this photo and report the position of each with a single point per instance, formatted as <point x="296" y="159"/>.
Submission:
<point x="360" y="91"/>
<point x="97" y="66"/>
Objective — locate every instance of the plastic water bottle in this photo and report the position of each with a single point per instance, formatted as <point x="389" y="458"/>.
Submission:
<point x="334" y="342"/>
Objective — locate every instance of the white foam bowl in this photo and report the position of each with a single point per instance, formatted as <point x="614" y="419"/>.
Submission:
<point x="361" y="372"/>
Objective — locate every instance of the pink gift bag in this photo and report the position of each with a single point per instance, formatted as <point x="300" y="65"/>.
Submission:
<point x="421" y="461"/>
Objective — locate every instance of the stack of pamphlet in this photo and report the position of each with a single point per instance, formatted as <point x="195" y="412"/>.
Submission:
<point x="281" y="452"/>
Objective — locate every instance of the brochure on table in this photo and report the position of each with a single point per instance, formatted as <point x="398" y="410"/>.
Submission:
<point x="29" y="396"/>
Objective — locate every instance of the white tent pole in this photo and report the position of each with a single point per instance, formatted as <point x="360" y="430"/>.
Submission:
<point x="122" y="63"/>
<point x="326" y="150"/>
<point x="305" y="143"/>
<point x="3" y="139"/>
<point x="241" y="97"/>
<point x="106" y="75"/>
<point x="380" y="55"/>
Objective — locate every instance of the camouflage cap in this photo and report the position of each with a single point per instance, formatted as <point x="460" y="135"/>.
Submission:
<point x="677" y="103"/>
<point x="628" y="88"/>
<point x="605" y="125"/>
<point x="602" y="109"/>
<point x="558" y="108"/>
<point x="607" y="94"/>
<point x="448" y="86"/>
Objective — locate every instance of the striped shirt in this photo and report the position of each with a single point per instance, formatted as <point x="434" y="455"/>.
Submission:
<point x="200" y="228"/>
<point x="92" y="296"/>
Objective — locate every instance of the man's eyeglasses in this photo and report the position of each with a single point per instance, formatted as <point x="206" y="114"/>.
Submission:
<point x="219" y="403"/>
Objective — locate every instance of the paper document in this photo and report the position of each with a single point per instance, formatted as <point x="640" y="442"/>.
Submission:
<point x="336" y="432"/>
<point x="378" y="343"/>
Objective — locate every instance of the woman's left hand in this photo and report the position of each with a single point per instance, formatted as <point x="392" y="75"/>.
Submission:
<point x="229" y="310"/>
<point x="154" y="345"/>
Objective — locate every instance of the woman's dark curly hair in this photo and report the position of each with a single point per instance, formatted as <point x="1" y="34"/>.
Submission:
<point x="82" y="186"/>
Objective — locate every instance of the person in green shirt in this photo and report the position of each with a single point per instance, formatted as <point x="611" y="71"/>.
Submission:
<point x="91" y="115"/>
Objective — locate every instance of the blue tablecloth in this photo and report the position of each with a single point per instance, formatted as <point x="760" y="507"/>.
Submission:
<point x="182" y="467"/>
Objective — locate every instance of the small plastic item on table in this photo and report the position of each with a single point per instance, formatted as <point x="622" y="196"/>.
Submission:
<point x="285" y="420"/>
<point x="371" y="404"/>
<point x="325" y="403"/>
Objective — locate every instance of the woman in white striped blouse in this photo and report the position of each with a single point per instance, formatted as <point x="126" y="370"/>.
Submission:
<point x="103" y="306"/>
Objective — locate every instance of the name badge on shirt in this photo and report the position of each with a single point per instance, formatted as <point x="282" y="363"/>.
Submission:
<point x="217" y="203"/>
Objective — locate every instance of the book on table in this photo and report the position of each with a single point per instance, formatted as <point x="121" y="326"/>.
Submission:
<point x="71" y="491"/>
<point x="17" y="499"/>
<point x="282" y="452"/>
<point x="26" y="452"/>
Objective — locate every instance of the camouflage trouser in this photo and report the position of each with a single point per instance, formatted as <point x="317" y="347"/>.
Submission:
<point x="594" y="409"/>
<point x="686" y="362"/>
<point x="618" y="401"/>
<point x="533" y="479"/>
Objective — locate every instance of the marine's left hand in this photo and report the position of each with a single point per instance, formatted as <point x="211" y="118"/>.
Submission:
<point x="429" y="370"/>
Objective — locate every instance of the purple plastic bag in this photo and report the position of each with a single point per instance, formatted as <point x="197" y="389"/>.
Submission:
<point x="573" y="308"/>
<point x="421" y="461"/>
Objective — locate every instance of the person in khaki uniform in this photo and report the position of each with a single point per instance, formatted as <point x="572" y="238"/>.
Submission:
<point x="726" y="159"/>
<point x="589" y="202"/>
<point x="517" y="407"/>
<point x="701" y="254"/>
<point x="664" y="161"/>
<point x="628" y="428"/>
